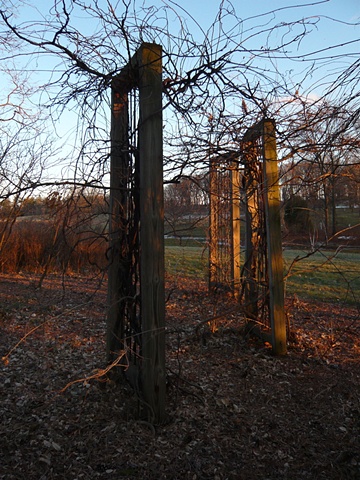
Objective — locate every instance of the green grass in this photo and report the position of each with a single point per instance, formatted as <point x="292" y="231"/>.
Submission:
<point x="324" y="276"/>
<point x="321" y="276"/>
<point x="188" y="261"/>
<point x="346" y="217"/>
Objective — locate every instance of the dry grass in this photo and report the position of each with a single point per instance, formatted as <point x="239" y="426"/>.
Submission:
<point x="45" y="246"/>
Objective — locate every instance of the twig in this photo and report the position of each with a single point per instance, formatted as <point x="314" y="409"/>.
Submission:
<point x="100" y="373"/>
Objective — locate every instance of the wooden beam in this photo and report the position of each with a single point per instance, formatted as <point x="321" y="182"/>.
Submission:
<point x="118" y="268"/>
<point x="273" y="231"/>
<point x="252" y="232"/>
<point x="152" y="230"/>
<point x="235" y="214"/>
<point x="214" y="225"/>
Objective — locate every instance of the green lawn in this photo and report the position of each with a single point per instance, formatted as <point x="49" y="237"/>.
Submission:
<point x="324" y="275"/>
<point x="321" y="276"/>
<point x="186" y="261"/>
<point x="346" y="217"/>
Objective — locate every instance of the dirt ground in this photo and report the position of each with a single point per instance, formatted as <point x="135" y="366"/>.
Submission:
<point x="234" y="411"/>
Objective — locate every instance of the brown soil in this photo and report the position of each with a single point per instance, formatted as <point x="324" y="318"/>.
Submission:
<point x="234" y="411"/>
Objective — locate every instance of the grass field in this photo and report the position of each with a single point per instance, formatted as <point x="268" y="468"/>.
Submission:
<point x="321" y="276"/>
<point x="188" y="261"/>
<point x="324" y="275"/>
<point x="347" y="216"/>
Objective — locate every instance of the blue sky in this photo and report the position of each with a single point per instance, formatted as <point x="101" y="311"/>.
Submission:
<point x="204" y="12"/>
<point x="335" y="23"/>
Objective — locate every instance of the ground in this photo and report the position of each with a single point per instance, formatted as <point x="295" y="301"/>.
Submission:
<point x="234" y="411"/>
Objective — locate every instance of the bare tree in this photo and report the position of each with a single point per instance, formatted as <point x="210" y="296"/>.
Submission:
<point x="322" y="148"/>
<point x="217" y="81"/>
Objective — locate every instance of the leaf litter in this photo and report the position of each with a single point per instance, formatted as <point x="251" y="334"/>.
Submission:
<point x="234" y="411"/>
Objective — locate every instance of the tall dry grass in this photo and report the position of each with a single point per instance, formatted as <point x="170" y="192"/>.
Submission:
<point x="40" y="245"/>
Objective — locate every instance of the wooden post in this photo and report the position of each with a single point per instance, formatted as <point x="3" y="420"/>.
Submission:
<point x="252" y="224"/>
<point x="152" y="230"/>
<point x="235" y="213"/>
<point x="118" y="252"/>
<point x="214" y="225"/>
<point x="213" y="240"/>
<point x="273" y="229"/>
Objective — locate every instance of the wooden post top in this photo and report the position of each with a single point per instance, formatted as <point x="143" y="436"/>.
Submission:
<point x="148" y="55"/>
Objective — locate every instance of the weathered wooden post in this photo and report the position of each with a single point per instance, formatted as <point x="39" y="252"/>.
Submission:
<point x="224" y="244"/>
<point x="136" y="292"/>
<point x="263" y="268"/>
<point x="252" y="234"/>
<point x="152" y="229"/>
<point x="214" y="225"/>
<point x="118" y="271"/>
<point x="235" y="237"/>
<point x="273" y="230"/>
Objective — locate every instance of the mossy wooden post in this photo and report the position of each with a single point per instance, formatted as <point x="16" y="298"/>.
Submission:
<point x="117" y="273"/>
<point x="273" y="231"/>
<point x="152" y="230"/>
<point x="235" y="214"/>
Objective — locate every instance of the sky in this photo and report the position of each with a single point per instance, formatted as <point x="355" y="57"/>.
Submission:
<point x="335" y="25"/>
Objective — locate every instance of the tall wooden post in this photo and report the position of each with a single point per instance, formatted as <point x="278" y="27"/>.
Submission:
<point x="136" y="293"/>
<point x="273" y="231"/>
<point x="118" y="251"/>
<point x="214" y="225"/>
<point x="252" y="232"/>
<point x="235" y="240"/>
<point x="152" y="230"/>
